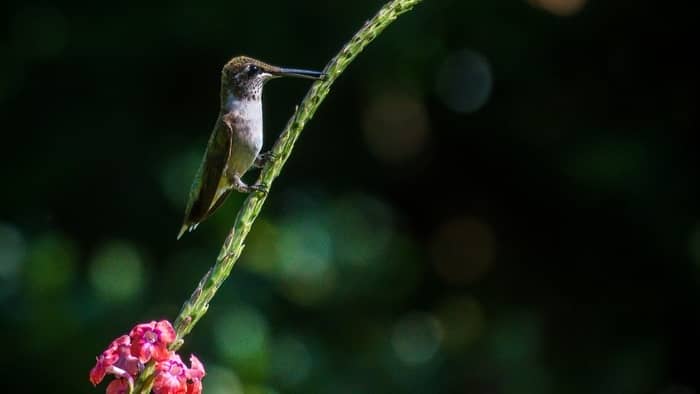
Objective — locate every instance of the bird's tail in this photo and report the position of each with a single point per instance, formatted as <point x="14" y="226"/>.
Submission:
<point x="187" y="227"/>
<point x="184" y="228"/>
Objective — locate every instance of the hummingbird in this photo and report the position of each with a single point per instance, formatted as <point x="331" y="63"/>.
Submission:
<point x="237" y="139"/>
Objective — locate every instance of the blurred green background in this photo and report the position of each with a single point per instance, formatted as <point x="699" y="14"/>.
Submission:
<point x="496" y="197"/>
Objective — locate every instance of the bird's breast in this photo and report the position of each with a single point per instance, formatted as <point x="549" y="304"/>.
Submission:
<point x="248" y="124"/>
<point x="247" y="136"/>
<point x="247" y="130"/>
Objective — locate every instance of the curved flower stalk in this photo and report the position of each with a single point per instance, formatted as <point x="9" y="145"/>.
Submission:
<point x="139" y="361"/>
<point x="197" y="305"/>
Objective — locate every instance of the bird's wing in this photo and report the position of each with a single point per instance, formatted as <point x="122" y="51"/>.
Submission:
<point x="203" y="193"/>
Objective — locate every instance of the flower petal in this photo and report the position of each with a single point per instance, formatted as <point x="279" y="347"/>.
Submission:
<point x="97" y="373"/>
<point x="197" y="369"/>
<point x="139" y="329"/>
<point x="167" y="332"/>
<point x="122" y="340"/>
<point x="142" y="350"/>
<point x="118" y="386"/>
<point x="160" y="352"/>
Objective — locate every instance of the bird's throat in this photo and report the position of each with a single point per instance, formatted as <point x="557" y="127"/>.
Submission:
<point x="244" y="107"/>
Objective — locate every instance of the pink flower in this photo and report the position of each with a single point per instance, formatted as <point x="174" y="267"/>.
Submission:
<point x="194" y="376"/>
<point x="105" y="360"/>
<point x="125" y="357"/>
<point x="116" y="360"/>
<point x="118" y="386"/>
<point x="173" y="377"/>
<point x="151" y="340"/>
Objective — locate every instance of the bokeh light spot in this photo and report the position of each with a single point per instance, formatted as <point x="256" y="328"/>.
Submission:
<point x="363" y="228"/>
<point x="305" y="265"/>
<point x="117" y="271"/>
<point x="308" y="292"/>
<point x="305" y="246"/>
<point x="559" y="7"/>
<point x="220" y="380"/>
<point x="416" y="338"/>
<point x="39" y="31"/>
<point x="463" y="250"/>
<point x="395" y="126"/>
<point x="292" y="361"/>
<point x="241" y="334"/>
<point x="464" y="81"/>
<point x="463" y="321"/>
<point x="262" y="247"/>
<point x="51" y="264"/>
<point x="12" y="251"/>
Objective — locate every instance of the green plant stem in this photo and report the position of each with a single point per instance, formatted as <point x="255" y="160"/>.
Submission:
<point x="194" y="308"/>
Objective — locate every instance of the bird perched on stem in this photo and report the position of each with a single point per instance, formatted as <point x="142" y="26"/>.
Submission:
<point x="236" y="141"/>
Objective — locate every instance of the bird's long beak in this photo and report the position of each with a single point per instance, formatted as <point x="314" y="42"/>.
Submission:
<point x="298" y="73"/>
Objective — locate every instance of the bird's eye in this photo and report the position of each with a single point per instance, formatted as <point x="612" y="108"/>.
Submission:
<point x="253" y="69"/>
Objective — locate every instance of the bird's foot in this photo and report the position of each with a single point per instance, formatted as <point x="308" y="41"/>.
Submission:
<point x="242" y="187"/>
<point x="238" y="185"/>
<point x="260" y="187"/>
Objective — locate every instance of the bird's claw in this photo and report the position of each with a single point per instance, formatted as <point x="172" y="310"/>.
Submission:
<point x="260" y="187"/>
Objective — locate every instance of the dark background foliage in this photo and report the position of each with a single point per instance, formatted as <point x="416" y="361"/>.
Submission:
<point x="497" y="196"/>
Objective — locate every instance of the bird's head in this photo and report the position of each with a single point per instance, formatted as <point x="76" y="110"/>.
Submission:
<point x="245" y="77"/>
